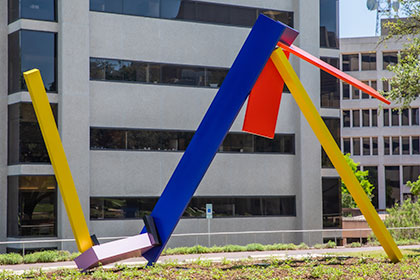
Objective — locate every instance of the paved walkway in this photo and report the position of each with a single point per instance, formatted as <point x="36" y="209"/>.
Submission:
<point x="20" y="268"/>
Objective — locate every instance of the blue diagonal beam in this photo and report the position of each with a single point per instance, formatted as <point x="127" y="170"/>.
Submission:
<point x="215" y="125"/>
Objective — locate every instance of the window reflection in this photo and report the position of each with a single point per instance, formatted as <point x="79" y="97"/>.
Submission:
<point x="328" y="23"/>
<point x="103" y="208"/>
<point x="28" y="50"/>
<point x="330" y="93"/>
<point x="390" y="58"/>
<point x="32" y="206"/>
<point x="156" y="73"/>
<point x="165" y="140"/>
<point x="25" y="142"/>
<point x="32" y="9"/>
<point x="368" y="61"/>
<point x="392" y="183"/>
<point x="350" y="62"/>
<point x="196" y="11"/>
<point x="373" y="179"/>
<point x="331" y="202"/>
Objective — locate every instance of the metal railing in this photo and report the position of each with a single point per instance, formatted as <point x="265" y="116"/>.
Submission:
<point x="338" y="232"/>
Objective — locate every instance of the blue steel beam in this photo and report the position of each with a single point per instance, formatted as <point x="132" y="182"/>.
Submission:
<point x="215" y="125"/>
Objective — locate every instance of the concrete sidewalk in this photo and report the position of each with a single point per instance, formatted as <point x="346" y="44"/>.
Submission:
<point x="298" y="254"/>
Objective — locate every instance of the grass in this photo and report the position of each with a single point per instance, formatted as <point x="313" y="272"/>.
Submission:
<point x="331" y="267"/>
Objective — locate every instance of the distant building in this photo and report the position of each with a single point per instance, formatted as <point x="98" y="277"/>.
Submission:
<point x="129" y="82"/>
<point x="384" y="142"/>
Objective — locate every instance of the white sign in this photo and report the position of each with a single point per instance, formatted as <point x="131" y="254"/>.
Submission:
<point x="209" y="211"/>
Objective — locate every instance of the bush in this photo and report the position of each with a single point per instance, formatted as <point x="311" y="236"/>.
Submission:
<point x="355" y="245"/>
<point x="47" y="256"/>
<point x="11" y="258"/>
<point x="405" y="215"/>
<point x="254" y="247"/>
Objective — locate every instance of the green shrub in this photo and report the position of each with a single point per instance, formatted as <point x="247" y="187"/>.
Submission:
<point x="302" y="246"/>
<point x="234" y="248"/>
<point x="355" y="245"/>
<point x="405" y="215"/>
<point x="11" y="258"/>
<point x="254" y="247"/>
<point x="47" y="256"/>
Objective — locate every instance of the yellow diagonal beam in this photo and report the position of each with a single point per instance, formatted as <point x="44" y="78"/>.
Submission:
<point x="58" y="159"/>
<point x="328" y="143"/>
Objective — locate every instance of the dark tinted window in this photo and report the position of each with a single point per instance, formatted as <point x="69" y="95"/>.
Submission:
<point x="350" y="62"/>
<point x="346" y="148"/>
<point x="37" y="50"/>
<point x="330" y="93"/>
<point x="156" y="73"/>
<point x="366" y="146"/>
<point x="346" y="118"/>
<point x="395" y="145"/>
<point x="386" y="117"/>
<point x="392" y="185"/>
<point x="32" y="9"/>
<point x="375" y="146"/>
<point x="136" y="208"/>
<point x="374" y="117"/>
<point x="415" y="145"/>
<point x="356" y="146"/>
<point x="365" y="117"/>
<point x="395" y="118"/>
<point x="414" y="116"/>
<point x="25" y="142"/>
<point x="355" y="93"/>
<point x="166" y="140"/>
<point x="405" y="145"/>
<point x="331" y="202"/>
<point x="373" y="179"/>
<point x="190" y="10"/>
<point x="390" y="58"/>
<point x="356" y="118"/>
<point x="387" y="150"/>
<point x="31" y="206"/>
<point x="346" y="91"/>
<point x="368" y="61"/>
<point x="411" y="173"/>
<point x="404" y="117"/>
<point x="333" y="125"/>
<point x="328" y="23"/>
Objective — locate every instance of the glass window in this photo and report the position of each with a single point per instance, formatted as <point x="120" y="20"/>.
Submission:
<point x="191" y="76"/>
<point x="346" y="144"/>
<point x="346" y="118"/>
<point x="415" y="145"/>
<point x="392" y="185"/>
<point x="110" y="6"/>
<point x="390" y="58"/>
<point x="31" y="206"/>
<point x="374" y="84"/>
<point x="386" y="117"/>
<point x="365" y="117"/>
<point x="148" y="8"/>
<point x="37" y="50"/>
<point x="404" y="117"/>
<point x="25" y="142"/>
<point x="406" y="145"/>
<point x="166" y="140"/>
<point x="107" y="208"/>
<point x="366" y="146"/>
<point x="414" y="116"/>
<point x="374" y="117"/>
<point x="369" y="61"/>
<point x="396" y="145"/>
<point x="32" y="9"/>
<point x="373" y="179"/>
<point x="333" y="125"/>
<point x="346" y="91"/>
<point x="395" y="118"/>
<point x="375" y="146"/>
<point x="355" y="93"/>
<point x="356" y="118"/>
<point x="385" y="85"/>
<point x="350" y="62"/>
<point x="328" y="23"/>
<point x="411" y="173"/>
<point x="386" y="146"/>
<point x="330" y="94"/>
<point x="356" y="146"/>
<point x="331" y="202"/>
<point x="156" y="73"/>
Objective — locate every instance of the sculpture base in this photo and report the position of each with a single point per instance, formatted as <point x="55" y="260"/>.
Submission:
<point x="115" y="251"/>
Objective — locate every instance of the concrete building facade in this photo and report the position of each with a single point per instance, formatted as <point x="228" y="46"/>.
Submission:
<point x="129" y="83"/>
<point x="384" y="141"/>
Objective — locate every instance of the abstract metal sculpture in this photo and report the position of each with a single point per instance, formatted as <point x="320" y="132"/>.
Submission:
<point x="257" y="69"/>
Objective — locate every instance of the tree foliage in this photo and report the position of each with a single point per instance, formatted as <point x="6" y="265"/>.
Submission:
<point x="405" y="84"/>
<point x="362" y="177"/>
<point x="405" y="215"/>
<point x="414" y="187"/>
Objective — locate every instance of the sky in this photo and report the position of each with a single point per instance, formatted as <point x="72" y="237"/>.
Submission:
<point x="356" y="20"/>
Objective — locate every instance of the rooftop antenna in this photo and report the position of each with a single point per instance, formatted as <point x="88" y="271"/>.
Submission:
<point x="383" y="9"/>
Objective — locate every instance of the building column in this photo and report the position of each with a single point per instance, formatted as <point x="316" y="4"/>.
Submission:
<point x="309" y="202"/>
<point x="3" y="123"/>
<point x="73" y="107"/>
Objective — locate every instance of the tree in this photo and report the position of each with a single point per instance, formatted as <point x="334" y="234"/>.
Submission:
<point x="405" y="84"/>
<point x="414" y="187"/>
<point x="362" y="177"/>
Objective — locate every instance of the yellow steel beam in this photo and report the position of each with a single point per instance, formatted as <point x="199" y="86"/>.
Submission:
<point x="58" y="159"/>
<point x="328" y="143"/>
